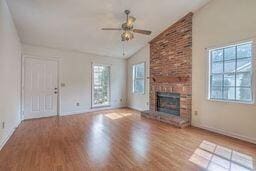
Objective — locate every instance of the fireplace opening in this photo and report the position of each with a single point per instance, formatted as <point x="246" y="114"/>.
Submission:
<point x="168" y="103"/>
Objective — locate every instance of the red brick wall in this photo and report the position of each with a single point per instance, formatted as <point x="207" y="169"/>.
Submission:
<point x="171" y="64"/>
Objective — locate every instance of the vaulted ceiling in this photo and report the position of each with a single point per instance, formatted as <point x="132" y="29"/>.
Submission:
<point x="76" y="24"/>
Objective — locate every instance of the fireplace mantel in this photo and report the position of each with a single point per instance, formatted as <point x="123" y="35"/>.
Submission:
<point x="170" y="79"/>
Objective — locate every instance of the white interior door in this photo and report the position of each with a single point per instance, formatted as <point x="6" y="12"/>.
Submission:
<point x="40" y="88"/>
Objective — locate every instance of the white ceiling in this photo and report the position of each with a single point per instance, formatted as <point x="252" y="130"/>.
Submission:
<point x="76" y="24"/>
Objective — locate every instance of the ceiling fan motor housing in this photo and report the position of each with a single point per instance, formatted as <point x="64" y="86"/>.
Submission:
<point x="126" y="27"/>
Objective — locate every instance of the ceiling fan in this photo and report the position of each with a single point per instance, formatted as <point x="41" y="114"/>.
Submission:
<point x="128" y="29"/>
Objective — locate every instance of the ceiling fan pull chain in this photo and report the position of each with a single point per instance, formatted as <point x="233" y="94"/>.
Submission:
<point x="123" y="48"/>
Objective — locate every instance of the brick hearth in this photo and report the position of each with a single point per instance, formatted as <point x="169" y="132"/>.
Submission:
<point x="171" y="65"/>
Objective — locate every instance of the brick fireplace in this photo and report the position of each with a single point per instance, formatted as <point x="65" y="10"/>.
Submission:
<point x="171" y="70"/>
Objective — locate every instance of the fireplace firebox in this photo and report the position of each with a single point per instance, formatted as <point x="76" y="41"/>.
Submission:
<point x="168" y="103"/>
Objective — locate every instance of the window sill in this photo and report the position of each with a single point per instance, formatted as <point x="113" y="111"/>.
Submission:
<point x="230" y="101"/>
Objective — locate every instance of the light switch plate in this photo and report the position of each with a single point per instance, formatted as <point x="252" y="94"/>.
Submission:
<point x="195" y="112"/>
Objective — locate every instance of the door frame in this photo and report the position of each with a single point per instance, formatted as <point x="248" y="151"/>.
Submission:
<point x="23" y="57"/>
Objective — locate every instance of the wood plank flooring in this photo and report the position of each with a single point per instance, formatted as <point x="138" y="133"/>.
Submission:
<point x="120" y="140"/>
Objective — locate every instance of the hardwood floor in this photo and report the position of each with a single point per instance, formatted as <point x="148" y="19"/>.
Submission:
<point x="120" y="140"/>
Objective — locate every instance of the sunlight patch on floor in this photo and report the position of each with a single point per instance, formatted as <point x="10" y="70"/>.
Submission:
<point x="211" y="156"/>
<point x="114" y="116"/>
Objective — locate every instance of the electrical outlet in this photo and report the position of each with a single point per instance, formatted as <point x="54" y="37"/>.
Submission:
<point x="77" y="104"/>
<point x="3" y="125"/>
<point x="195" y="112"/>
<point x="121" y="100"/>
<point x="147" y="103"/>
<point x="62" y="84"/>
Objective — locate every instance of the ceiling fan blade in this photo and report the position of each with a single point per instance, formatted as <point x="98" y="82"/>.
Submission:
<point x="130" y="21"/>
<point x="147" y="32"/>
<point x="111" y="29"/>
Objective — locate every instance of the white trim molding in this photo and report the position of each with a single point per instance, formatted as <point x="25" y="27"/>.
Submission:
<point x="226" y="133"/>
<point x="10" y="133"/>
<point x="91" y="110"/>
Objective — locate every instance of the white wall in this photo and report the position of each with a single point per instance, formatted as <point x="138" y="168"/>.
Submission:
<point x="218" y="23"/>
<point x="138" y="101"/>
<point x="75" y="72"/>
<point x="10" y="74"/>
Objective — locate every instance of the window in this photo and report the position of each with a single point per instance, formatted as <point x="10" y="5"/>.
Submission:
<point x="139" y="78"/>
<point x="231" y="73"/>
<point x="100" y="85"/>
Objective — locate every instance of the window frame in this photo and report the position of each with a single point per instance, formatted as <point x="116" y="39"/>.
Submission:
<point x="92" y="86"/>
<point x="144" y="78"/>
<point x="253" y="70"/>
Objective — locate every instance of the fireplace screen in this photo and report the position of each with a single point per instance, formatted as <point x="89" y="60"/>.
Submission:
<point x="168" y="103"/>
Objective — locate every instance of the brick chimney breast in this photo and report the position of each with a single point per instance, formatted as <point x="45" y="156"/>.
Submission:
<point x="171" y="64"/>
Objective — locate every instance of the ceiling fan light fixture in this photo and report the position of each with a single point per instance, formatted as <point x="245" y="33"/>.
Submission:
<point x="127" y="28"/>
<point x="130" y="21"/>
<point x="127" y="35"/>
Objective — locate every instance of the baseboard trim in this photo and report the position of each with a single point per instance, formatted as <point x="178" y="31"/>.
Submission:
<point x="227" y="133"/>
<point x="137" y="109"/>
<point x="91" y="110"/>
<point x="129" y="107"/>
<point x="9" y="136"/>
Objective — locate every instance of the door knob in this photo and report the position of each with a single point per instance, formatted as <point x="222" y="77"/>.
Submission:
<point x="55" y="88"/>
<point x="55" y="92"/>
